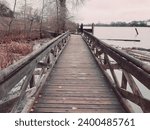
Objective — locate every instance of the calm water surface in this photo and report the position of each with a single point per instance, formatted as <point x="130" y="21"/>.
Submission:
<point x="124" y="33"/>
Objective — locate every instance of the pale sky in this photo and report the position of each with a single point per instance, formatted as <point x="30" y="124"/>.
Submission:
<point x="106" y="11"/>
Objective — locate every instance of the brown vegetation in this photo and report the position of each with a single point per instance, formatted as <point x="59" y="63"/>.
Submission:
<point x="17" y="29"/>
<point x="12" y="52"/>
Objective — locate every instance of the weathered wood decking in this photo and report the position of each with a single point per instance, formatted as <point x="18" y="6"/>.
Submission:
<point x="76" y="84"/>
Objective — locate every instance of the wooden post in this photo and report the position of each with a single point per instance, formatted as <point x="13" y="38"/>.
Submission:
<point x="77" y="28"/>
<point x="32" y="81"/>
<point x="93" y="28"/>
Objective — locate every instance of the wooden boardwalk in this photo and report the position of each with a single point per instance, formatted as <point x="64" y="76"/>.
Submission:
<point x="76" y="84"/>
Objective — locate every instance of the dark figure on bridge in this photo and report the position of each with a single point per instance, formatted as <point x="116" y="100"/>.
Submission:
<point x="81" y="28"/>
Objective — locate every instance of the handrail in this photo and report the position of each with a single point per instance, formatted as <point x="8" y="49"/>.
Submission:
<point x="25" y="69"/>
<point x="137" y="62"/>
<point x="5" y="73"/>
<point x="110" y="58"/>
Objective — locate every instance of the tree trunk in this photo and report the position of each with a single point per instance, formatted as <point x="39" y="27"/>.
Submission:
<point x="30" y="29"/>
<point x="12" y="19"/>
<point x="41" y="20"/>
<point x="63" y="14"/>
<point x="57" y="17"/>
<point x="25" y="5"/>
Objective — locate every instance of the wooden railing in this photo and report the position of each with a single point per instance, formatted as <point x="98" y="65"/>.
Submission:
<point x="131" y="76"/>
<point x="30" y="73"/>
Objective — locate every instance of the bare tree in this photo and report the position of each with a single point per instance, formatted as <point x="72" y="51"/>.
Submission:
<point x="12" y="19"/>
<point x="5" y="14"/>
<point x="57" y="15"/>
<point x="32" y="19"/>
<point x="63" y="12"/>
<point x="25" y="5"/>
<point x="41" y="22"/>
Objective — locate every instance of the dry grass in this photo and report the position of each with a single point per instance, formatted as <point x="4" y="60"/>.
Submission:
<point x="5" y="59"/>
<point x="9" y="53"/>
<point x="19" y="48"/>
<point x="15" y="44"/>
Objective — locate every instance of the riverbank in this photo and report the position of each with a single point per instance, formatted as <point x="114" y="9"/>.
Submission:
<point x="14" y="51"/>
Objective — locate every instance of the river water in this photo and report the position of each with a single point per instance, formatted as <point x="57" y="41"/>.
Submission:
<point x="126" y="33"/>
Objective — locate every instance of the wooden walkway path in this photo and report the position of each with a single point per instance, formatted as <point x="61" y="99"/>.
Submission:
<point x="76" y="84"/>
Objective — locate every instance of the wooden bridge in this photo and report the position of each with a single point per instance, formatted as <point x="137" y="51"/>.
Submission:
<point x="75" y="73"/>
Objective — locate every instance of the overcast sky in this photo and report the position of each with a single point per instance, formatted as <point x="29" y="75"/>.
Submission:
<point x="106" y="11"/>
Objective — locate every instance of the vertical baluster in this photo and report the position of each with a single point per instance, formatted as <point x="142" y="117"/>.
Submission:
<point x="63" y="42"/>
<point x="49" y="59"/>
<point x="105" y="59"/>
<point x="32" y="81"/>
<point x="55" y="51"/>
<point x="124" y="81"/>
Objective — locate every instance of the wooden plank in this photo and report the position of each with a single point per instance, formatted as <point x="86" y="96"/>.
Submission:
<point x="58" y="110"/>
<point x="77" y="106"/>
<point x="77" y="81"/>
<point x="75" y="86"/>
<point x="92" y="99"/>
<point x="78" y="95"/>
<point x="77" y="101"/>
<point x="93" y="90"/>
<point x="85" y="91"/>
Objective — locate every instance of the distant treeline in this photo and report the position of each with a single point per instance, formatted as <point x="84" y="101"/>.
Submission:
<point x="125" y="24"/>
